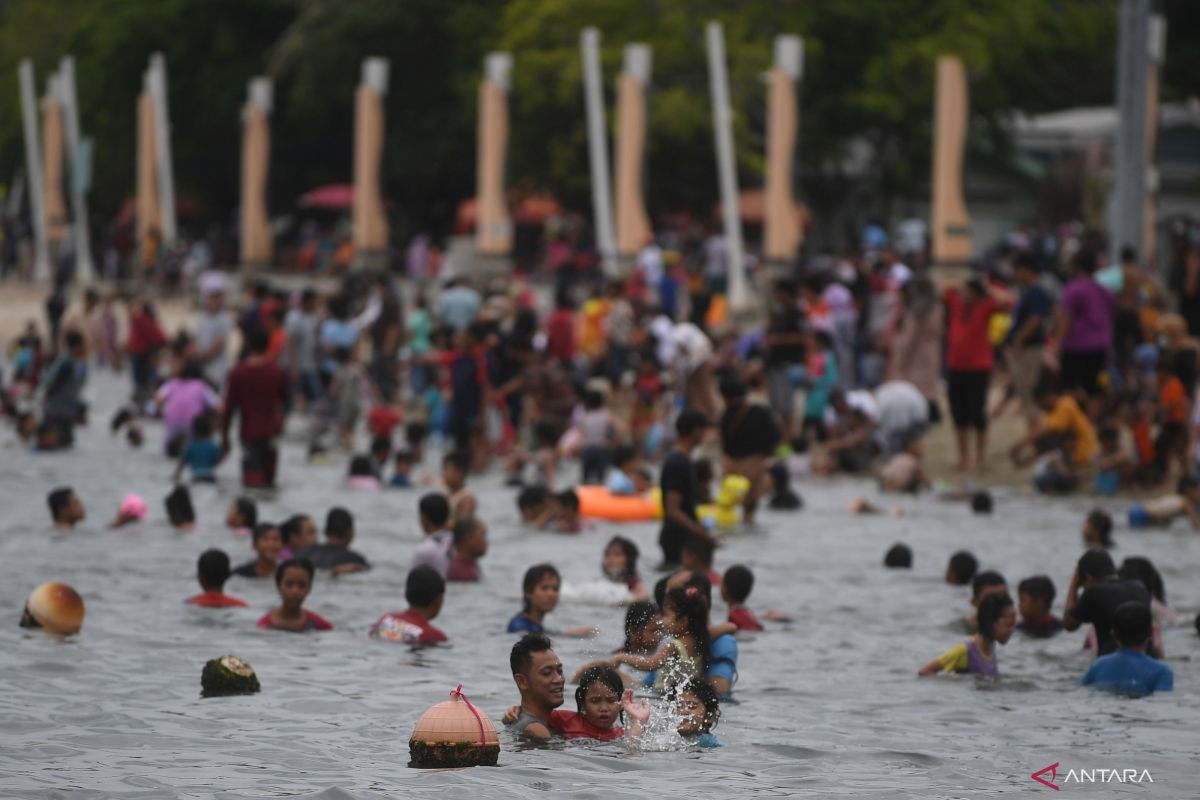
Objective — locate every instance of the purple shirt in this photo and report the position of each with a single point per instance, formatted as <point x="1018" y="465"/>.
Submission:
<point x="979" y="665"/>
<point x="184" y="400"/>
<point x="1091" y="308"/>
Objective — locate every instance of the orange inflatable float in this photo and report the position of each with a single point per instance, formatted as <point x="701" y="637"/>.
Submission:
<point x="597" y="502"/>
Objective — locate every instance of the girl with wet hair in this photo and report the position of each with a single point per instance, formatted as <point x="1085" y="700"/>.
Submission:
<point x="997" y="619"/>
<point x="683" y="653"/>
<point x="602" y="701"/>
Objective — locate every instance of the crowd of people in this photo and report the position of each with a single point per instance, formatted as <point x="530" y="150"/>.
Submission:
<point x="647" y="388"/>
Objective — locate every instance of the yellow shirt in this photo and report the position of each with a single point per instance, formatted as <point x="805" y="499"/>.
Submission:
<point x="1068" y="417"/>
<point x="954" y="659"/>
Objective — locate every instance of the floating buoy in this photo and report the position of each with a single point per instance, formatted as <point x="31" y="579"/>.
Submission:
<point x="228" y="675"/>
<point x="54" y="607"/>
<point x="454" y="733"/>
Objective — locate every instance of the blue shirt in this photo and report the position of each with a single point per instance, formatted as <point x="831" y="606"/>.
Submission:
<point x="1035" y="301"/>
<point x="523" y="624"/>
<point x="706" y="740"/>
<point x="202" y="456"/>
<point x="620" y="483"/>
<point x="1130" y="673"/>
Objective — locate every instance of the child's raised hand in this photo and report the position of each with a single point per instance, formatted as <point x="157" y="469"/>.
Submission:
<point x="638" y="710"/>
<point x="511" y="714"/>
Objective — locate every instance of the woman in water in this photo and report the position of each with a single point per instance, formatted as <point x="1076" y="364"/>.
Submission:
<point x="294" y="581"/>
<point x="997" y="619"/>
<point x="620" y="566"/>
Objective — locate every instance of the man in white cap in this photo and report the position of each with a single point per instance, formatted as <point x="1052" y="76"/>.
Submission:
<point x="213" y="328"/>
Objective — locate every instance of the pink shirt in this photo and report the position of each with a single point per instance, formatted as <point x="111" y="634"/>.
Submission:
<point x="184" y="400"/>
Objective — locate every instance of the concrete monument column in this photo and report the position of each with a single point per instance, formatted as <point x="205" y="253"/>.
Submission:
<point x="951" y="233"/>
<point x="257" y="242"/>
<point x="633" y="224"/>
<point x="493" y="225"/>
<point x="53" y="144"/>
<point x="148" y="217"/>
<point x="33" y="166"/>
<point x="370" y="222"/>
<point x="781" y="227"/>
<point x="79" y="151"/>
<point x="156" y="85"/>
<point x="741" y="301"/>
<point x="593" y="95"/>
<point x="1157" y="52"/>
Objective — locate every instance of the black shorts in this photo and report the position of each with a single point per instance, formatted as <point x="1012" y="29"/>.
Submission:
<point x="967" y="391"/>
<point x="1081" y="370"/>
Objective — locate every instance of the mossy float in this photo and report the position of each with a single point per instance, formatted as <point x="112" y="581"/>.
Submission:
<point x="228" y="675"/>
<point x="54" y="607"/>
<point x="454" y="734"/>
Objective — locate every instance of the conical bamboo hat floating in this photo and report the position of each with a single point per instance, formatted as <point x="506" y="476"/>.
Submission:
<point x="54" y="607"/>
<point x="454" y="733"/>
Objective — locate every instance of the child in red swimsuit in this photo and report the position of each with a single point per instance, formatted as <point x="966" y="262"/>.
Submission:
<point x="602" y="700"/>
<point x="294" y="580"/>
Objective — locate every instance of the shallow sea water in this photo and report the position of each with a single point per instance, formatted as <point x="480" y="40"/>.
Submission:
<point x="828" y="705"/>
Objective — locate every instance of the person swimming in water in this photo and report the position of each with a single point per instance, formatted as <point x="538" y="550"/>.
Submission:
<point x="997" y="620"/>
<point x="294" y="581"/>
<point x="601" y="701"/>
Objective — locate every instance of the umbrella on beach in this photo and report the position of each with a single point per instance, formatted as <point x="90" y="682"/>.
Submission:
<point x="335" y="196"/>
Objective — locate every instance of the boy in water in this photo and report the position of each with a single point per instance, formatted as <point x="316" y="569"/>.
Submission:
<point x="1129" y="670"/>
<point x="335" y="555"/>
<point x="1035" y="597"/>
<point x="212" y="570"/>
<point x="735" y="589"/>
<point x="961" y="569"/>
<point x="983" y="584"/>
<point x="627" y="478"/>
<point x="434" y="552"/>
<point x="1097" y="529"/>
<point x="267" y="543"/>
<point x="470" y="545"/>
<point x="66" y="509"/>
<point x="454" y="477"/>
<point x="425" y="590"/>
<point x="534" y="504"/>
<point x="1163" y="510"/>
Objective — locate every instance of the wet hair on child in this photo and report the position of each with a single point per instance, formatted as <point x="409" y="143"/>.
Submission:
<point x="212" y="568"/>
<point x="361" y="467"/>
<point x="991" y="608"/>
<point x="339" y="523"/>
<point x="599" y="673"/>
<point x="899" y="556"/>
<point x="247" y="510"/>
<point x="688" y="602"/>
<point x="531" y="497"/>
<point x="179" y="506"/>
<point x="262" y="529"/>
<point x="1133" y="624"/>
<point x="700" y="549"/>
<point x="290" y="527"/>
<point x="629" y="550"/>
<point x="1142" y="569"/>
<point x="637" y="617"/>
<point x="738" y="582"/>
<point x="784" y="498"/>
<point x="708" y="698"/>
<point x="435" y="508"/>
<point x="623" y="455"/>
<point x="961" y="568"/>
<point x="58" y="500"/>
<point x="568" y="500"/>
<point x="1101" y="522"/>
<point x="521" y="658"/>
<point x="1039" y="587"/>
<point x="293" y="563"/>
<point x="981" y="502"/>
<point x="423" y="586"/>
<point x="1096" y="564"/>
<point x="985" y="579"/>
<point x="457" y="459"/>
<point x="535" y="575"/>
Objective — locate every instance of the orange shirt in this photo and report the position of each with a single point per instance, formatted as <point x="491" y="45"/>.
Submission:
<point x="1172" y="400"/>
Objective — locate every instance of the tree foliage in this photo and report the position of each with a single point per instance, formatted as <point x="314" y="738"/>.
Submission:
<point x="868" y="80"/>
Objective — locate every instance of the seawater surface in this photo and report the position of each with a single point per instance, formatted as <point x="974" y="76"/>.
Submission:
<point x="828" y="705"/>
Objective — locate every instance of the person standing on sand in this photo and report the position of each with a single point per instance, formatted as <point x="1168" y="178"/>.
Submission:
<point x="258" y="391"/>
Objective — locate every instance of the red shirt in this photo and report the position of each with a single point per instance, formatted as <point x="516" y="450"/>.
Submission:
<point x="560" y="334"/>
<point x="968" y="347"/>
<point x="145" y="335"/>
<point x="216" y="600"/>
<point x="312" y="622"/>
<point x="572" y="725"/>
<point x="744" y="618"/>
<point x="1172" y="400"/>
<point x="258" y="390"/>
<point x="462" y="569"/>
<point x="408" y="627"/>
<point x="383" y="420"/>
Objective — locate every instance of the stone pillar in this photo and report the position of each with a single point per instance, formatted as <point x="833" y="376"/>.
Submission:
<point x="782" y="233"/>
<point x="57" y="222"/>
<point x="79" y="151"/>
<point x="951" y="228"/>
<point x="257" y="244"/>
<point x="33" y="166"/>
<point x="370" y="222"/>
<point x="493" y="224"/>
<point x="633" y="224"/>
<point x="148" y="209"/>
<point x="593" y="95"/>
<point x="742" y="302"/>
<point x="156" y="84"/>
